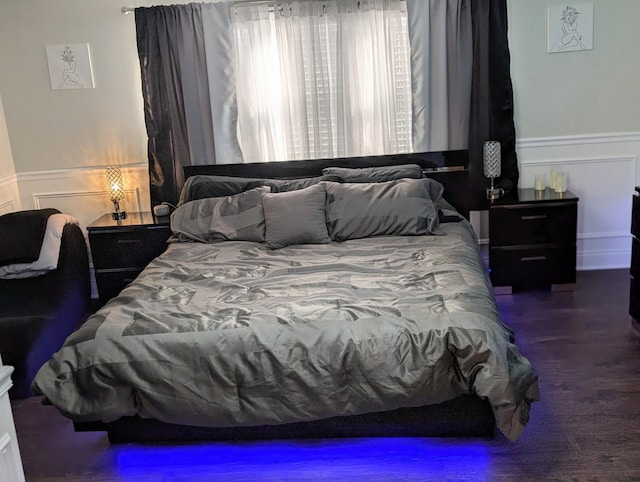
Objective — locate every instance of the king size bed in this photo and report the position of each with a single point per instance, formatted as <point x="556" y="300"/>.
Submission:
<point x="345" y="298"/>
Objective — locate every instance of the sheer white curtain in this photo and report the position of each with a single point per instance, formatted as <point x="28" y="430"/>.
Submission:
<point x="322" y="79"/>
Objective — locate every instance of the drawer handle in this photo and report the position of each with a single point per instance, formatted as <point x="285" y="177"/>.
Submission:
<point x="129" y="241"/>
<point x="535" y="216"/>
<point x="533" y="258"/>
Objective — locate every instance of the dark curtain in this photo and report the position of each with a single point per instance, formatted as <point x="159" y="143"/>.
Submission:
<point x="491" y="116"/>
<point x="166" y="35"/>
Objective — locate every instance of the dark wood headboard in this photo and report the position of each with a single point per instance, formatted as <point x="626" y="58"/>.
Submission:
<point x="451" y="168"/>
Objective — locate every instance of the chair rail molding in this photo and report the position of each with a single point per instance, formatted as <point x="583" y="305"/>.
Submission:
<point x="577" y="140"/>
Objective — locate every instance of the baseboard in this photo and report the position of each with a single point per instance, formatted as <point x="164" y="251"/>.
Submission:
<point x="599" y="260"/>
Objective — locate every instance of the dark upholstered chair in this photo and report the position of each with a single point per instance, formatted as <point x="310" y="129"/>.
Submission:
<point x="37" y="314"/>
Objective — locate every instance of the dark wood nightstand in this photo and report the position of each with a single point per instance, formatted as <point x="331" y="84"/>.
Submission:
<point x="121" y="249"/>
<point x="532" y="240"/>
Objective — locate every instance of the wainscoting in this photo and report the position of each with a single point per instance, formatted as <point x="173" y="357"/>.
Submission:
<point x="602" y="170"/>
<point x="80" y="192"/>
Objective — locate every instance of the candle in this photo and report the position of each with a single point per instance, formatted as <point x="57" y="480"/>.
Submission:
<point x="540" y="183"/>
<point x="561" y="182"/>
<point x="552" y="179"/>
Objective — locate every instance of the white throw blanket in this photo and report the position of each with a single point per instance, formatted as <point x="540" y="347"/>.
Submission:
<point x="49" y="252"/>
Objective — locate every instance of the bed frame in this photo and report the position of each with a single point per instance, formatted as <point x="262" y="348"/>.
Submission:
<point x="467" y="415"/>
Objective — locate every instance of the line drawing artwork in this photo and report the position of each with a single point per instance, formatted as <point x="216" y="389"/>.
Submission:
<point x="70" y="77"/>
<point x="570" y="28"/>
<point x="69" y="66"/>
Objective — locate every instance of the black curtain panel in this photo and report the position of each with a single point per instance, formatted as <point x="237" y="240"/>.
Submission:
<point x="158" y="35"/>
<point x="491" y="116"/>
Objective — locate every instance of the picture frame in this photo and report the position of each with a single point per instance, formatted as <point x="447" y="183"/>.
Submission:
<point x="570" y="27"/>
<point x="70" y="66"/>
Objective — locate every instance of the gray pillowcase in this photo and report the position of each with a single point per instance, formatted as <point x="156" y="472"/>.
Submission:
<point x="403" y="207"/>
<point x="375" y="174"/>
<point x="239" y="217"/>
<point x="295" y="217"/>
<point x="203" y="186"/>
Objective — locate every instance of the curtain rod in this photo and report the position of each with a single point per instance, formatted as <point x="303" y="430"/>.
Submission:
<point x="127" y="10"/>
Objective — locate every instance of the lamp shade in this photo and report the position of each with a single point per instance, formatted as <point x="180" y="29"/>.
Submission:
<point x="491" y="158"/>
<point x="115" y="183"/>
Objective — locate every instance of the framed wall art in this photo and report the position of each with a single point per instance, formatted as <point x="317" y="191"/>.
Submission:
<point x="570" y="27"/>
<point x="70" y="66"/>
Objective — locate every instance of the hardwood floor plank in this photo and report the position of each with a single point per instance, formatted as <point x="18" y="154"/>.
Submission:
<point x="586" y="426"/>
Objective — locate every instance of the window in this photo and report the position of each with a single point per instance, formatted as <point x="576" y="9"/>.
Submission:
<point x="322" y="79"/>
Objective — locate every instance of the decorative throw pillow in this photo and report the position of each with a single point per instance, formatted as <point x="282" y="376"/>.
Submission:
<point x="239" y="217"/>
<point x="375" y="174"/>
<point x="203" y="186"/>
<point x="295" y="217"/>
<point x="402" y="207"/>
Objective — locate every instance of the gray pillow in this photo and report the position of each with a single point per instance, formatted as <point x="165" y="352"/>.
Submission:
<point x="402" y="207"/>
<point x="295" y="217"/>
<point x="238" y="217"/>
<point x="375" y="174"/>
<point x="204" y="186"/>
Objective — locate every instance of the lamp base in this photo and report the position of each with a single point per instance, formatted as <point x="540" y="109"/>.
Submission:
<point x="119" y="215"/>
<point x="494" y="193"/>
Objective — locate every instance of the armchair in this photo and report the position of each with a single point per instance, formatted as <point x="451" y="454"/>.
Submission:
<point x="38" y="313"/>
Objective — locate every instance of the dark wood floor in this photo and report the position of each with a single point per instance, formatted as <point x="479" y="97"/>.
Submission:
<point x="586" y="427"/>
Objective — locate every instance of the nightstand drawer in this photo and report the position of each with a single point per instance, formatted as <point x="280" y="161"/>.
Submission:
<point x="127" y="248"/>
<point x="524" y="225"/>
<point x="533" y="266"/>
<point x="111" y="282"/>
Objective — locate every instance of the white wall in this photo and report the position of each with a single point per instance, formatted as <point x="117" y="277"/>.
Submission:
<point x="577" y="111"/>
<point x="8" y="184"/>
<point x="70" y="128"/>
<point x="587" y="92"/>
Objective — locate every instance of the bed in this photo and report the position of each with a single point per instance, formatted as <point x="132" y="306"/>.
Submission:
<point x="335" y="298"/>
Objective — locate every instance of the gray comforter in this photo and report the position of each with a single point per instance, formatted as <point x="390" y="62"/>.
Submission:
<point x="236" y="334"/>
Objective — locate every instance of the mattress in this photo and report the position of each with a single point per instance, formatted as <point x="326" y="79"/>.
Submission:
<point x="235" y="334"/>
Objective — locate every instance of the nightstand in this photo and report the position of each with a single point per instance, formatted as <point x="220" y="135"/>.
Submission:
<point x="121" y="249"/>
<point x="532" y="240"/>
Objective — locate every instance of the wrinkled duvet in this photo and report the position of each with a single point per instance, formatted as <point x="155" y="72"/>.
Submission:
<point x="235" y="334"/>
